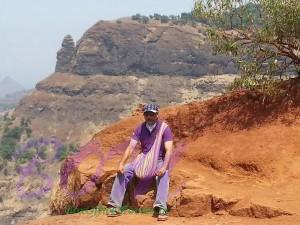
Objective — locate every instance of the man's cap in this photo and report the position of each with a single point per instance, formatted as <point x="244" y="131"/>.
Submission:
<point x="151" y="108"/>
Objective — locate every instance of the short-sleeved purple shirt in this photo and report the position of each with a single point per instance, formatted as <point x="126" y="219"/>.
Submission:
<point x="142" y="134"/>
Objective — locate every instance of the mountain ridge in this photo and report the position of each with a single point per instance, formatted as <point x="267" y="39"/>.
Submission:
<point x="129" y="47"/>
<point x="115" y="66"/>
<point x="8" y="86"/>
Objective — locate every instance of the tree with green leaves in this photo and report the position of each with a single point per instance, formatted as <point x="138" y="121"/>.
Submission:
<point x="11" y="137"/>
<point x="263" y="36"/>
<point x="9" y="142"/>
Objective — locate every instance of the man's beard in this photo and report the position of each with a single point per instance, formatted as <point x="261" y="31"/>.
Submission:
<point x="151" y="123"/>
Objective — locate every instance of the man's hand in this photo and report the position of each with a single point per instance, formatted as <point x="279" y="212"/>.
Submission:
<point x="121" y="169"/>
<point x="161" y="171"/>
<point x="126" y="155"/>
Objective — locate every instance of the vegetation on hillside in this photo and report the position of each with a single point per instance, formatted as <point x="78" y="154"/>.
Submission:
<point x="182" y="19"/>
<point x="67" y="150"/>
<point x="17" y="144"/>
<point x="7" y="106"/>
<point x="101" y="209"/>
<point x="11" y="136"/>
<point x="263" y="36"/>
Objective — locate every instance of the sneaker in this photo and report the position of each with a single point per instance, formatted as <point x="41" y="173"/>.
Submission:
<point x="162" y="215"/>
<point x="155" y="212"/>
<point x="113" y="212"/>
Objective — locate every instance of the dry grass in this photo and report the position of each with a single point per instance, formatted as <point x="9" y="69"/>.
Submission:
<point x="63" y="196"/>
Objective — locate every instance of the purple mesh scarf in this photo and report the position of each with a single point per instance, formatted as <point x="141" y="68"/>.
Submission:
<point x="145" y="163"/>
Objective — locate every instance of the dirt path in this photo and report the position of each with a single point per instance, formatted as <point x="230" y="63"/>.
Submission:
<point x="79" y="219"/>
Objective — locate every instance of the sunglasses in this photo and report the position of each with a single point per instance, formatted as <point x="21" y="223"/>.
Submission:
<point x="149" y="114"/>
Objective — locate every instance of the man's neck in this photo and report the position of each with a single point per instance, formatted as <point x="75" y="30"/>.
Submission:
<point x="150" y="127"/>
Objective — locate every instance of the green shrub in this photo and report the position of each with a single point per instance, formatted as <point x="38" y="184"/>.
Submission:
<point x="67" y="150"/>
<point x="136" y="17"/>
<point x="7" y="149"/>
<point x="27" y="156"/>
<point x="101" y="209"/>
<point x="9" y="142"/>
<point x="14" y="133"/>
<point x="28" y="132"/>
<point x="11" y="136"/>
<point x="164" y="19"/>
<point x="267" y="85"/>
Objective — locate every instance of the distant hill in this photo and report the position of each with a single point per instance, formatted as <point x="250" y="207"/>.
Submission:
<point x="128" y="47"/>
<point x="10" y="93"/>
<point x="9" y="86"/>
<point x="10" y="101"/>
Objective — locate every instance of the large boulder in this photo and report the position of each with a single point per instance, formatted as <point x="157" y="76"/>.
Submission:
<point x="188" y="200"/>
<point x="226" y="155"/>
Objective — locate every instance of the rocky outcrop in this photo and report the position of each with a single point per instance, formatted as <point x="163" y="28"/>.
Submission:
<point x="210" y="168"/>
<point x="189" y="201"/>
<point x="65" y="54"/>
<point x="252" y="209"/>
<point x="134" y="48"/>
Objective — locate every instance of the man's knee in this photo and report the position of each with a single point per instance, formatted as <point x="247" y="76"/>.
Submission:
<point x="164" y="178"/>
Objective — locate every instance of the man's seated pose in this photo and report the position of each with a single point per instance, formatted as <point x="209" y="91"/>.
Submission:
<point x="156" y="141"/>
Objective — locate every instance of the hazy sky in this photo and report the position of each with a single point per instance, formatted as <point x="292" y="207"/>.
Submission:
<point x="31" y="31"/>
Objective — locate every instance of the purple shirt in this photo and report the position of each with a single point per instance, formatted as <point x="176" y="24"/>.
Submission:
<point x="142" y="134"/>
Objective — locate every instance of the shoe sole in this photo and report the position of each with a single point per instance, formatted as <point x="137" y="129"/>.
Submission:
<point x="162" y="219"/>
<point x="113" y="215"/>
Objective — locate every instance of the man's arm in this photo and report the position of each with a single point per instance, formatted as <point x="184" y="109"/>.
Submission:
<point x="126" y="155"/>
<point x="169" y="150"/>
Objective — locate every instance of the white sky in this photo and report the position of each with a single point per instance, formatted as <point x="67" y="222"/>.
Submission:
<point x="31" y="31"/>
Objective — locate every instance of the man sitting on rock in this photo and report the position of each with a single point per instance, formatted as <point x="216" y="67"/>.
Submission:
<point x="156" y="141"/>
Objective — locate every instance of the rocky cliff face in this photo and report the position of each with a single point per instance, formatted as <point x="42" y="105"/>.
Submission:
<point x="128" y="47"/>
<point x="74" y="107"/>
<point x="114" y="67"/>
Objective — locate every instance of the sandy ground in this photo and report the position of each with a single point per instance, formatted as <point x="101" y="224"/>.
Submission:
<point x="79" y="219"/>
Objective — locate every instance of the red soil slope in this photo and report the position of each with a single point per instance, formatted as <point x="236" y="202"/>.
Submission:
<point x="239" y="153"/>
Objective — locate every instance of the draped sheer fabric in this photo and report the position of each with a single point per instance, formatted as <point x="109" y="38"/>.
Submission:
<point x="145" y="163"/>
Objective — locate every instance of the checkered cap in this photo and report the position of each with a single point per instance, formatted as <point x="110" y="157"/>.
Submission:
<point x="151" y="108"/>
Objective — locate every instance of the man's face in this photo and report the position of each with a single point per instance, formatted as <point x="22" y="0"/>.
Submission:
<point x="150" y="117"/>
